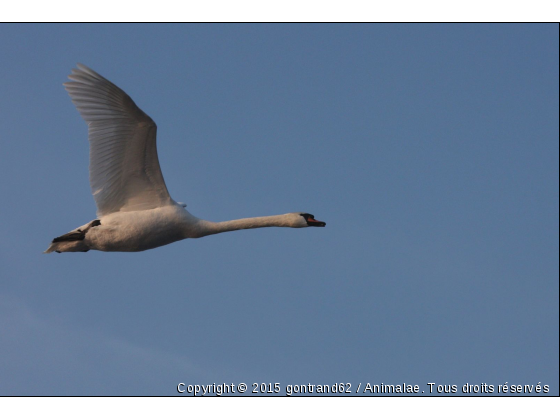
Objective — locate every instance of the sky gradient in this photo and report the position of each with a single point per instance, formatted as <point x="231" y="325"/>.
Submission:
<point x="431" y="151"/>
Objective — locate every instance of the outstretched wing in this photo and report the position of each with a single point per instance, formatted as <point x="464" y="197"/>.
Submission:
<point x="124" y="170"/>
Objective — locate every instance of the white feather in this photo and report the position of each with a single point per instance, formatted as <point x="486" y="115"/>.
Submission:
<point x="124" y="169"/>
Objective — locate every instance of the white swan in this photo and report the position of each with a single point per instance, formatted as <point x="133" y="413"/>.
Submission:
<point x="134" y="209"/>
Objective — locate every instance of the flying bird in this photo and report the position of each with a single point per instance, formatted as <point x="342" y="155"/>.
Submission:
<point x="134" y="209"/>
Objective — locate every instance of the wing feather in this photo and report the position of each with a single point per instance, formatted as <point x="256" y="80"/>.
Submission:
<point x="124" y="170"/>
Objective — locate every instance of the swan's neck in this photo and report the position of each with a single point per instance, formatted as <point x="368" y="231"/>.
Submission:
<point x="206" y="227"/>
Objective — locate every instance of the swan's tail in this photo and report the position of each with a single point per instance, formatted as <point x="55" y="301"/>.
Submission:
<point x="52" y="247"/>
<point x="72" y="241"/>
<point x="67" y="246"/>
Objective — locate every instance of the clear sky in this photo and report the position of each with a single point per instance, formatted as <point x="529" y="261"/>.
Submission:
<point x="431" y="151"/>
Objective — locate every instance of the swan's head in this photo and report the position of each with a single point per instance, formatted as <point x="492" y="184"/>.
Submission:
<point x="306" y="220"/>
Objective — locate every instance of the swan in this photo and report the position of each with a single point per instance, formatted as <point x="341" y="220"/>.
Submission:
<point x="134" y="209"/>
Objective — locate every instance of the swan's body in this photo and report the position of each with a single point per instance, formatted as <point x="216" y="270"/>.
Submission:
<point x="135" y="211"/>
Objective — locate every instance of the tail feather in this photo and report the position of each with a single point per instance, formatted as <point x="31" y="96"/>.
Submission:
<point x="72" y="241"/>
<point x="52" y="247"/>
<point x="67" y="246"/>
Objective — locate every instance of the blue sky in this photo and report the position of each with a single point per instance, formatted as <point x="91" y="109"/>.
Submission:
<point x="431" y="151"/>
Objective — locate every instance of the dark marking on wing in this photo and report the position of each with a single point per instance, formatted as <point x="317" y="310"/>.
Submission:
<point x="72" y="236"/>
<point x="78" y="235"/>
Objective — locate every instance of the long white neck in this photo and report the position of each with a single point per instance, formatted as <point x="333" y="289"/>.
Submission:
<point x="205" y="227"/>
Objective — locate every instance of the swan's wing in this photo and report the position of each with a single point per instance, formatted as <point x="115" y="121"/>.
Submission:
<point x="124" y="170"/>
